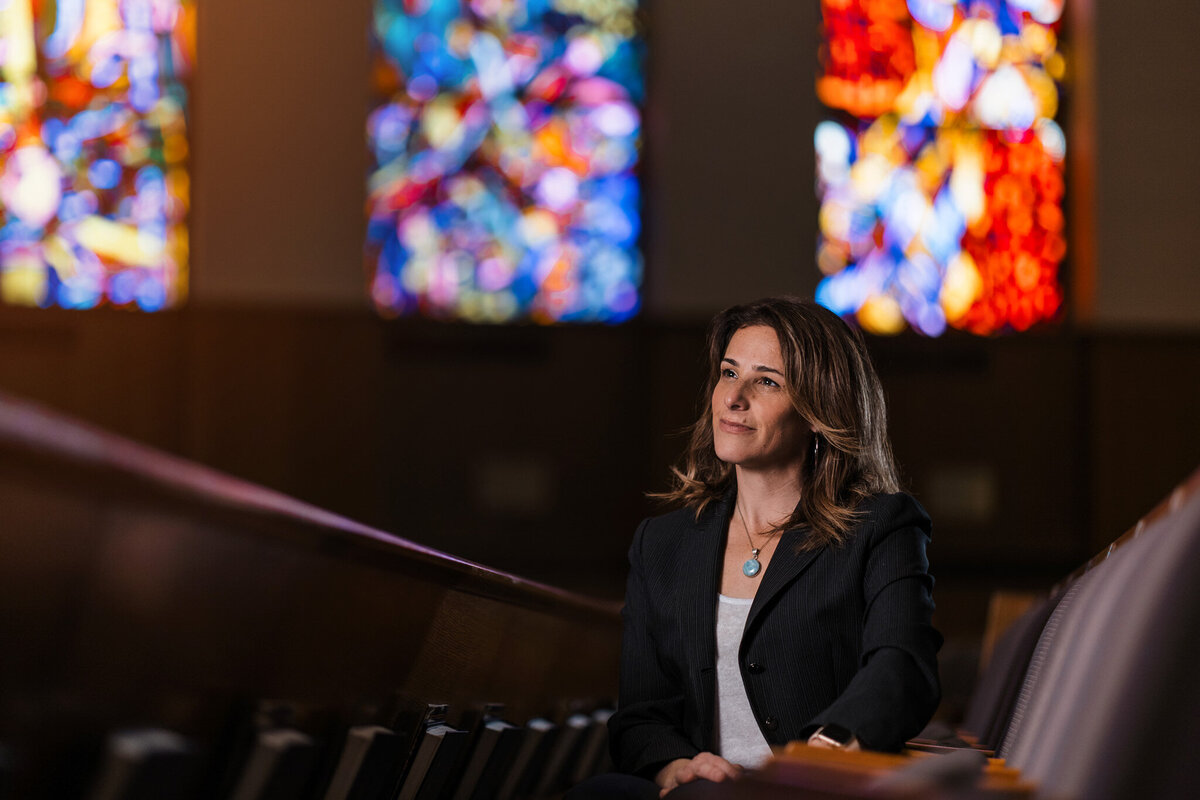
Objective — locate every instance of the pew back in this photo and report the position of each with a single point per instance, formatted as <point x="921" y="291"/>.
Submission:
<point x="1110" y="689"/>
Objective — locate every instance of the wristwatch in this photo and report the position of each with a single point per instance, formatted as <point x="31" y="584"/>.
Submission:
<point x="833" y="735"/>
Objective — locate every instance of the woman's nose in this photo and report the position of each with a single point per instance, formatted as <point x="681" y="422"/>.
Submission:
<point x="735" y="397"/>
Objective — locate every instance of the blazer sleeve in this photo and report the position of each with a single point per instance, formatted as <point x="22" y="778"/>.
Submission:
<point x="896" y="689"/>
<point x="646" y="732"/>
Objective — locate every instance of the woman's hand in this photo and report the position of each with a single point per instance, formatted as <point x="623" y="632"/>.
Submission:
<point x="708" y="766"/>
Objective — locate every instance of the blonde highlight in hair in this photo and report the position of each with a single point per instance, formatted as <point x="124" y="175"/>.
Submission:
<point x="833" y="387"/>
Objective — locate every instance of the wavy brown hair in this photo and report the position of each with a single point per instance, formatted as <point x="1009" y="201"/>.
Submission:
<point x="833" y="388"/>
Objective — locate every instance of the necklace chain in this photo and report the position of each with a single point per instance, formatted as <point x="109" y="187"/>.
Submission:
<point x="746" y="528"/>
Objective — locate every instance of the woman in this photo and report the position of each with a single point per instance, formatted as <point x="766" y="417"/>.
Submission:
<point x="789" y="597"/>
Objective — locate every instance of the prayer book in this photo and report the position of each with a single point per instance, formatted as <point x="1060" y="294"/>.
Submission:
<point x="367" y="764"/>
<point x="143" y="764"/>
<point x="594" y="747"/>
<point x="562" y="756"/>
<point x="433" y="755"/>
<point x="529" y="760"/>
<point x="490" y="761"/>
<point x="279" y="766"/>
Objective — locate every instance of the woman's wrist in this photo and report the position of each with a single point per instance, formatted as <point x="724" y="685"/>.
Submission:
<point x="834" y="737"/>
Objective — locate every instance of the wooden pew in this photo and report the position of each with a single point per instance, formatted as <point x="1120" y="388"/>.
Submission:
<point x="140" y="591"/>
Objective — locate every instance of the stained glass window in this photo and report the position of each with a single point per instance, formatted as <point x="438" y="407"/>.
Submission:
<point x="940" y="167"/>
<point x="506" y="143"/>
<point x="93" y="152"/>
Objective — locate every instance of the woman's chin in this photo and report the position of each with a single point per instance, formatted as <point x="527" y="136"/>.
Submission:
<point x="741" y="461"/>
<point x="731" y="456"/>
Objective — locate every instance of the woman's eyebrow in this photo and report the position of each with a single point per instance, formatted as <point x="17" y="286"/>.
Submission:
<point x="757" y="368"/>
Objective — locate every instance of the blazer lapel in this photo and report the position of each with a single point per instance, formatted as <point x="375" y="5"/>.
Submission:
<point x="702" y="582"/>
<point x="786" y="565"/>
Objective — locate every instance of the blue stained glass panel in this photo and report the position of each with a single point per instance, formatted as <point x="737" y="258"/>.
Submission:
<point x="505" y="142"/>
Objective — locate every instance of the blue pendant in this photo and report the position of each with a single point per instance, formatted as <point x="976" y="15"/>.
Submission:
<point x="751" y="567"/>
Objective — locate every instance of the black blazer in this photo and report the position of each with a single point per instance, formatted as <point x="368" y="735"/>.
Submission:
<point x="836" y="635"/>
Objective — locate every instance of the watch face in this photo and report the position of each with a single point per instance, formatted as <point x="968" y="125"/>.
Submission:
<point x="836" y="733"/>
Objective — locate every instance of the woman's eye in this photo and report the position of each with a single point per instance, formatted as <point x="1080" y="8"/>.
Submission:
<point x="728" y="373"/>
<point x="769" y="382"/>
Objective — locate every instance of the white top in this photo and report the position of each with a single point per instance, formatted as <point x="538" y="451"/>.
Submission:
<point x="735" y="730"/>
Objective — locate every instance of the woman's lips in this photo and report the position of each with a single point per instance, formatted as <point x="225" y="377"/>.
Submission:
<point x="729" y="426"/>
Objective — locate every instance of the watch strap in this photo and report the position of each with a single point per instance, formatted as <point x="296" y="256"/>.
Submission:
<point x="834" y="735"/>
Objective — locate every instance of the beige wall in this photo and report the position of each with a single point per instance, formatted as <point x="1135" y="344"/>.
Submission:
<point x="280" y="153"/>
<point x="732" y="213"/>
<point x="1148" y="164"/>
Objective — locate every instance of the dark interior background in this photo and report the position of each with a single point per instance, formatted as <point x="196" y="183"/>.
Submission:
<point x="531" y="449"/>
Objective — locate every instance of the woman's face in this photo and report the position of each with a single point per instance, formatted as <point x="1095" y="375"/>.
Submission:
<point x="754" y="424"/>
